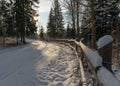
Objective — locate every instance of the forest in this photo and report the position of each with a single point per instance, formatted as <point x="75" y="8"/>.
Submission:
<point x="68" y="19"/>
<point x="90" y="19"/>
<point x="79" y="23"/>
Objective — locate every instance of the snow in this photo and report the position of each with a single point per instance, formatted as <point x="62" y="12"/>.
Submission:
<point x="48" y="64"/>
<point x="38" y="64"/>
<point x="59" y="71"/>
<point x="106" y="77"/>
<point x="104" y="41"/>
<point x="93" y="56"/>
<point x="117" y="74"/>
<point x="116" y="70"/>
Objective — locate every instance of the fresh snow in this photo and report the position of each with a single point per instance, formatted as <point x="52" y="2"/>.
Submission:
<point x="104" y="41"/>
<point x="93" y="56"/>
<point x="106" y="77"/>
<point x="38" y="64"/>
<point x="48" y="64"/>
<point x="116" y="70"/>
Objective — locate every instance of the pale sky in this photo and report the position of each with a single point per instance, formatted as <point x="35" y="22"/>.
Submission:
<point x="44" y="10"/>
<point x="45" y="6"/>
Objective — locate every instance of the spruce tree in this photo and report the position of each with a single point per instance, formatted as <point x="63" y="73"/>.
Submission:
<point x="106" y="16"/>
<point x="69" y="32"/>
<point x="55" y="22"/>
<point x="59" y="23"/>
<point x="42" y="33"/>
<point x="51" y="25"/>
<point x="4" y="17"/>
<point x="24" y="13"/>
<point x="100" y="18"/>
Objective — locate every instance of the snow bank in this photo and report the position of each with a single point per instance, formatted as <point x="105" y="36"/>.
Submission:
<point x="60" y="68"/>
<point x="104" y="41"/>
<point x="106" y="77"/>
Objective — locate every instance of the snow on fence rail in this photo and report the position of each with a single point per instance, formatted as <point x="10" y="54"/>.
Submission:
<point x="105" y="76"/>
<point x="102" y="76"/>
<point x="80" y="56"/>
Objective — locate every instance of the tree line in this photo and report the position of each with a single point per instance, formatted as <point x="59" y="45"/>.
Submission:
<point x="17" y="18"/>
<point x="90" y="19"/>
<point x="55" y="22"/>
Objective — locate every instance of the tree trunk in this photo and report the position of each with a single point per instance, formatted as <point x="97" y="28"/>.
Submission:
<point x="93" y="30"/>
<point x="3" y="40"/>
<point x="73" y="17"/>
<point x="78" y="30"/>
<point x="24" y="40"/>
<point x="17" y="39"/>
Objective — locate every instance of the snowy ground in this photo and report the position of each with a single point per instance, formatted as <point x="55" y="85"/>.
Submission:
<point x="116" y="70"/>
<point x="38" y="64"/>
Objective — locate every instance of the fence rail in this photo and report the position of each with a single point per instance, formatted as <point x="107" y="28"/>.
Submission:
<point x="90" y="66"/>
<point x="83" y="61"/>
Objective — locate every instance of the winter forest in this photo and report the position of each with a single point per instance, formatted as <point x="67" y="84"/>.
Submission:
<point x="78" y="46"/>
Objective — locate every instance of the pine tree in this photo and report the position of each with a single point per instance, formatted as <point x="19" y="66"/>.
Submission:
<point x="58" y="19"/>
<point x="10" y="21"/>
<point x="42" y="33"/>
<point x="51" y="25"/>
<point x="74" y="11"/>
<point x="24" y="13"/>
<point x="107" y="14"/>
<point x="101" y="18"/>
<point x="69" y="32"/>
<point x="4" y="16"/>
<point x="55" y="23"/>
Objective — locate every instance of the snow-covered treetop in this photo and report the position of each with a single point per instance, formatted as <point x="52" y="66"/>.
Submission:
<point x="104" y="41"/>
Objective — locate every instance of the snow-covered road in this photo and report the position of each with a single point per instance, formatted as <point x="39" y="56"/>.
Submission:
<point x="37" y="64"/>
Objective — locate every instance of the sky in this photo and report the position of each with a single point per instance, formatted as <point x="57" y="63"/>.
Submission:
<point x="44" y="10"/>
<point x="45" y="6"/>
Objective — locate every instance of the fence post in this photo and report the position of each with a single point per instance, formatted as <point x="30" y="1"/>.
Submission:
<point x="106" y="51"/>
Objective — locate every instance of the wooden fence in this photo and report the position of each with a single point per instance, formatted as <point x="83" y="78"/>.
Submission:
<point x="84" y="63"/>
<point x="91" y="65"/>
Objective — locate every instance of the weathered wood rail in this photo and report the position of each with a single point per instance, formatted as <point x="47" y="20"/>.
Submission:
<point x="92" y="64"/>
<point x="83" y="62"/>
